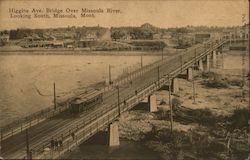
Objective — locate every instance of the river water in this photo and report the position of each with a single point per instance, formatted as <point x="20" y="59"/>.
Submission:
<point x="26" y="81"/>
<point x="97" y="148"/>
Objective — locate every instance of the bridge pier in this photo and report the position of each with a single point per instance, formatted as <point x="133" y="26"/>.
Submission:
<point x="214" y="59"/>
<point x="190" y="74"/>
<point x="113" y="134"/>
<point x="208" y="62"/>
<point x="106" y="81"/>
<point x="152" y="103"/>
<point x="175" y="85"/>
<point x="200" y="63"/>
<point x="219" y="51"/>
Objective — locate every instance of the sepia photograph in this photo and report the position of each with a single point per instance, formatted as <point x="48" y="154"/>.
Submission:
<point x="124" y="80"/>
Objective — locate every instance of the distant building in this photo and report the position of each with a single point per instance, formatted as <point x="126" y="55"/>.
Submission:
<point x="5" y="38"/>
<point x="58" y="44"/>
<point x="166" y="35"/>
<point x="85" y="43"/>
<point x="127" y="37"/>
<point x="157" y="36"/>
<point x="201" y="37"/>
<point x="69" y="43"/>
<point x="90" y="37"/>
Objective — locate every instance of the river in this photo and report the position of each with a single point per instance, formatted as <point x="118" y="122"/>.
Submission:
<point x="97" y="148"/>
<point x="26" y="81"/>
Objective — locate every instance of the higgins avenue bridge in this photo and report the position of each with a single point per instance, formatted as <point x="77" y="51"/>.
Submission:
<point x="30" y="137"/>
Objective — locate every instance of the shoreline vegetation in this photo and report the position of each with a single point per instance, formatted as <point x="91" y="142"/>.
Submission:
<point x="76" y="52"/>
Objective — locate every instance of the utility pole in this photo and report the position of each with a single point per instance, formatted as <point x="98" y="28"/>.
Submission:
<point x="28" y="155"/>
<point x="109" y="74"/>
<point x="193" y="91"/>
<point x="243" y="61"/>
<point x="158" y="70"/>
<point x="181" y="62"/>
<point x="1" y="141"/>
<point x="118" y="100"/>
<point x="54" y="96"/>
<point x="195" y="54"/>
<point x="170" y="104"/>
<point x="141" y="62"/>
<point x="162" y="53"/>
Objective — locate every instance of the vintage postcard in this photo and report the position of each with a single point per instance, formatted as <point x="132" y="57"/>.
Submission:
<point x="116" y="80"/>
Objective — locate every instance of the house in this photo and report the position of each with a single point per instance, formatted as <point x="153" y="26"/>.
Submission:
<point x="127" y="37"/>
<point x="201" y="37"/>
<point x="156" y="36"/>
<point x="69" y="43"/>
<point x="166" y="35"/>
<point x="90" y="37"/>
<point x="5" y="38"/>
<point x="58" y="44"/>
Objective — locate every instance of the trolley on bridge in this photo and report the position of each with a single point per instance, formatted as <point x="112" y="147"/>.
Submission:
<point x="85" y="101"/>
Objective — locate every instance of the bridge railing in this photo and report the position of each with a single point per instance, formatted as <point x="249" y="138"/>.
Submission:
<point x="96" y="122"/>
<point x="31" y="120"/>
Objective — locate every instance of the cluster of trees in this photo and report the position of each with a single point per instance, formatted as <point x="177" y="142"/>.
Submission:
<point x="145" y="32"/>
<point x="19" y="33"/>
<point x="84" y="31"/>
<point x="132" y="32"/>
<point x="24" y="32"/>
<point x="5" y="32"/>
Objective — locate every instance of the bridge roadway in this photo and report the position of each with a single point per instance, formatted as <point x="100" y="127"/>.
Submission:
<point x="62" y="125"/>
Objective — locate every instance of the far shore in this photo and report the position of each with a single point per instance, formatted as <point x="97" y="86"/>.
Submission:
<point x="82" y="51"/>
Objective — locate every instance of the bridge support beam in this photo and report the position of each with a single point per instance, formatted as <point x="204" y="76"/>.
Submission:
<point x="189" y="74"/>
<point x="152" y="103"/>
<point x="200" y="63"/>
<point x="214" y="59"/>
<point x="114" y="134"/>
<point x="175" y="85"/>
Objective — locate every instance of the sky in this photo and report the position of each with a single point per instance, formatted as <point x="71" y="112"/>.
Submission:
<point x="160" y="13"/>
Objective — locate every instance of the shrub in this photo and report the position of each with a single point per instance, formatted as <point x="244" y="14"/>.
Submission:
<point x="176" y="102"/>
<point x="235" y="82"/>
<point x="204" y="117"/>
<point x="210" y="75"/>
<point x="216" y="83"/>
<point x="239" y="118"/>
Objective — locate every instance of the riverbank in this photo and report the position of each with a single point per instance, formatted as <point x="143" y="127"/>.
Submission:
<point x="212" y="127"/>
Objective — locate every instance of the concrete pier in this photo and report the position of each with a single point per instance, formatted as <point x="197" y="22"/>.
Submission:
<point x="190" y="74"/>
<point x="208" y="62"/>
<point x="114" y="134"/>
<point x="175" y="85"/>
<point x="218" y="52"/>
<point x="214" y="59"/>
<point x="200" y="65"/>
<point x="152" y="103"/>
<point x="106" y="81"/>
